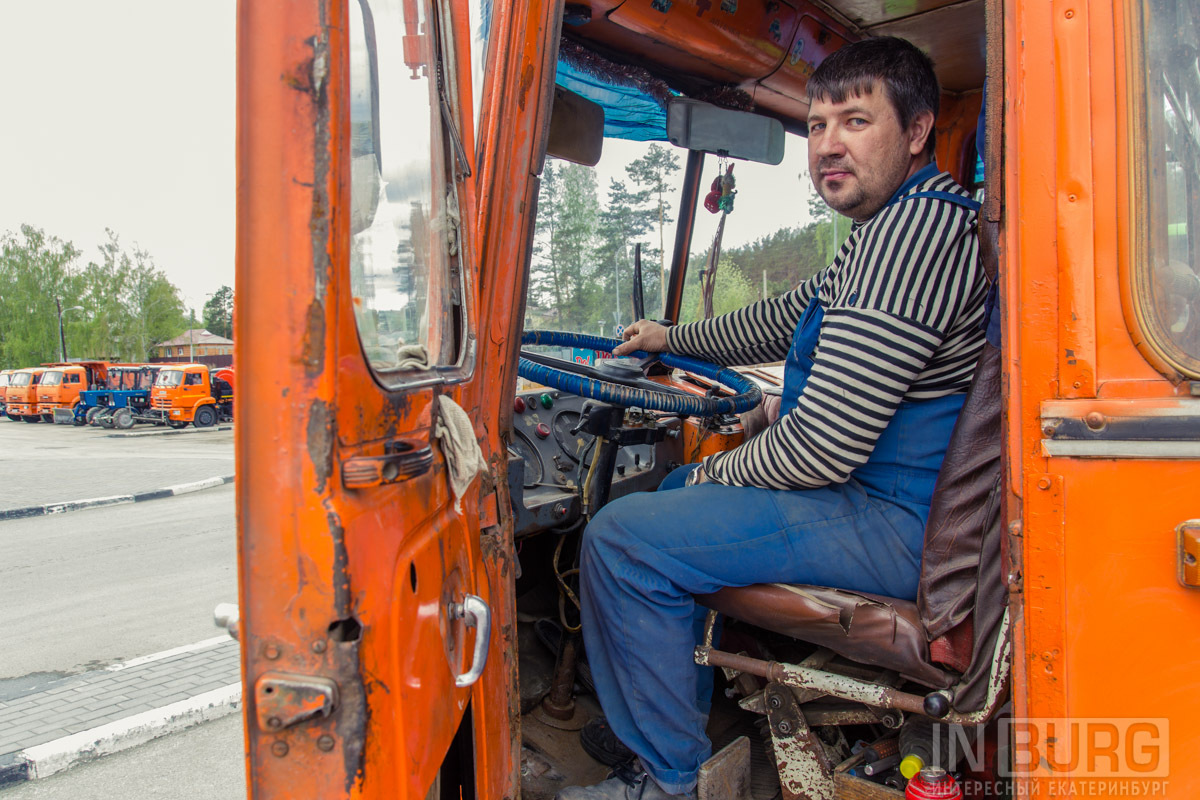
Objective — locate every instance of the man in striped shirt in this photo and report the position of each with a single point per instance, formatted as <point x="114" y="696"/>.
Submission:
<point x="880" y="348"/>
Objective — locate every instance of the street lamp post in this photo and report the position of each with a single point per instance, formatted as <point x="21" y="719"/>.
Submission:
<point x="62" y="335"/>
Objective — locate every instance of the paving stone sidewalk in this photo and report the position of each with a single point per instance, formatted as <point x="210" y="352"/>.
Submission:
<point x="43" y="713"/>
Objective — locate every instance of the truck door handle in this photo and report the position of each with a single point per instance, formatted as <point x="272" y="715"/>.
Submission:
<point x="475" y="614"/>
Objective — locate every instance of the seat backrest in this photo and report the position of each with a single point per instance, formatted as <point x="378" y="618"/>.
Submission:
<point x="961" y="596"/>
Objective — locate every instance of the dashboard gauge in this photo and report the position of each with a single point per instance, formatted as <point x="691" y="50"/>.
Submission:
<point x="522" y="447"/>
<point x="573" y="444"/>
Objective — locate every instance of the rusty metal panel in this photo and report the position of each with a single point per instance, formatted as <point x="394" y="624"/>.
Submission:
<point x="805" y="772"/>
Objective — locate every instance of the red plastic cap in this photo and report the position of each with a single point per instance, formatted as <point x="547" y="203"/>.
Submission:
<point x="543" y="430"/>
<point x="519" y="405"/>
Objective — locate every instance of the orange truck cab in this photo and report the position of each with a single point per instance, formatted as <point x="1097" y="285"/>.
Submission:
<point x="190" y="393"/>
<point x="415" y="203"/>
<point x="4" y="379"/>
<point x="61" y="384"/>
<point x="21" y="400"/>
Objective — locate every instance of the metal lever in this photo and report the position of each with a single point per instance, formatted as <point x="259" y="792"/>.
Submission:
<point x="227" y="616"/>
<point x="475" y="614"/>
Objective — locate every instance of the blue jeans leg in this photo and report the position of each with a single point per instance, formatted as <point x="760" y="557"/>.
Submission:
<point x="645" y="555"/>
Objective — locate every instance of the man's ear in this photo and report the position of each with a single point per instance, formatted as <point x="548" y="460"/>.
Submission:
<point x="918" y="132"/>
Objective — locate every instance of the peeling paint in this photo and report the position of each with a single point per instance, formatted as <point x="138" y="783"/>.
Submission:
<point x="319" y="439"/>
<point x="313" y="352"/>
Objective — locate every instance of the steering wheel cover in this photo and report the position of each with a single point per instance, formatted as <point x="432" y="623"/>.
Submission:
<point x="749" y="395"/>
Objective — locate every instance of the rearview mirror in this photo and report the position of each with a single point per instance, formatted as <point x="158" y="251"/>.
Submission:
<point x="737" y="134"/>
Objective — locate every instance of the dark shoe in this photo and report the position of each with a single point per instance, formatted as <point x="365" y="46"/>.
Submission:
<point x="625" y="784"/>
<point x="599" y="742"/>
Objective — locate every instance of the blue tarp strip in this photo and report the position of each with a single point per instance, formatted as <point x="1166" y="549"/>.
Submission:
<point x="628" y="113"/>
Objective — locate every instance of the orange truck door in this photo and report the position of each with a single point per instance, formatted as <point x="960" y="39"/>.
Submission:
<point x="364" y="611"/>
<point x="1103" y="332"/>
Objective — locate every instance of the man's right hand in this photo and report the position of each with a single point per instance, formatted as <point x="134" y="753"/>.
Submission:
<point x="643" y="335"/>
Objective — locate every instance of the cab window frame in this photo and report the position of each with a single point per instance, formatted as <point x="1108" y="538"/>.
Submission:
<point x="1150" y="205"/>
<point x="447" y="199"/>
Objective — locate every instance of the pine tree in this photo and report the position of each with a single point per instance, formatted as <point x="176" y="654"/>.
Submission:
<point x="652" y="172"/>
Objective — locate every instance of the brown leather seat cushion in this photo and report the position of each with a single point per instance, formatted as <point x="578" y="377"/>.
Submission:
<point x="867" y="628"/>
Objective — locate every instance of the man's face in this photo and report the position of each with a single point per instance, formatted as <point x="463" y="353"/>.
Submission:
<point x="858" y="155"/>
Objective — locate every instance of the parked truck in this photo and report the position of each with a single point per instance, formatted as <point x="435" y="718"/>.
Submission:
<point x="5" y="376"/>
<point x="21" y="397"/>
<point x="61" y="385"/>
<point x="194" y="393"/>
<point x="122" y="401"/>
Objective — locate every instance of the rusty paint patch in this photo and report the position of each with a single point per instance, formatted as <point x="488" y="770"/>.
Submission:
<point x="319" y="439"/>
<point x="313" y="352"/>
<point x="526" y="82"/>
<point x="320" y="223"/>
<point x="804" y="769"/>
<point x="341" y="565"/>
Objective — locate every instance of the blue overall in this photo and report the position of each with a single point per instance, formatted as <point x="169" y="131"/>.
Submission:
<point x="645" y="555"/>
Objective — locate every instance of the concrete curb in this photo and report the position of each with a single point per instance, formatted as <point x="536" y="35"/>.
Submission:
<point x="168" y="432"/>
<point x="114" y="500"/>
<point x="43" y="760"/>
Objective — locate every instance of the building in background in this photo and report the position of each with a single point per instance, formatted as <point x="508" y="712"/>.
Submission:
<point x="196" y="345"/>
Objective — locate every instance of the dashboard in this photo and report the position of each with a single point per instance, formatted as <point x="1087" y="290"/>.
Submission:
<point x="548" y="457"/>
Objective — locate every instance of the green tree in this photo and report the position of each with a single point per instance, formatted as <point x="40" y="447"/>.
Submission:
<point x="652" y="173"/>
<point x="622" y="226"/>
<point x="732" y="291"/>
<point x="131" y="304"/>
<point x="218" y="313"/>
<point x="564" y="289"/>
<point x="35" y="269"/>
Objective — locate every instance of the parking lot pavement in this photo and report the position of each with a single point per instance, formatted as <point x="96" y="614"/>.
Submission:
<point x="46" y="463"/>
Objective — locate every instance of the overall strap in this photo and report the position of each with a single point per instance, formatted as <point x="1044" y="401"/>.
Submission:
<point x="949" y="197"/>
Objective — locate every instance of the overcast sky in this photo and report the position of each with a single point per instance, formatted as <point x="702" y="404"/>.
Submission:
<point x="120" y="114"/>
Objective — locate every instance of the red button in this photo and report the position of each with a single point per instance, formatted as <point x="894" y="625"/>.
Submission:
<point x="543" y="430"/>
<point x="519" y="405"/>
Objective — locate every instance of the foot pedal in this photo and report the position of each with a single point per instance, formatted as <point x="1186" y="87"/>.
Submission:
<point x="726" y="776"/>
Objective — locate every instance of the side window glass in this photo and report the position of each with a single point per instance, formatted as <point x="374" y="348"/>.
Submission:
<point x="1168" y="272"/>
<point x="481" y="27"/>
<point x="404" y="247"/>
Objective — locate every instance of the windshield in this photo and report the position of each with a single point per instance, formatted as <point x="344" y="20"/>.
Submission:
<point x="22" y="379"/>
<point x="52" y="378"/>
<point x="591" y="221"/>
<point x="169" y="377"/>
<point x="3" y="380"/>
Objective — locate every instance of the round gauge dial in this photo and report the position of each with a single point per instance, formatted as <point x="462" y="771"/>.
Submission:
<point x="573" y="444"/>
<point x="534" y="472"/>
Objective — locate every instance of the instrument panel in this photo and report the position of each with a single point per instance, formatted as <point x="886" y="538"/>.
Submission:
<point x="549" y="457"/>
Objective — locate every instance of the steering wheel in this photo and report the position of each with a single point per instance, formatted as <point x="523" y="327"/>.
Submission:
<point x="623" y="383"/>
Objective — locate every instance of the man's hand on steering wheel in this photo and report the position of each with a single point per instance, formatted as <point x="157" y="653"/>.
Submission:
<point x="645" y="335"/>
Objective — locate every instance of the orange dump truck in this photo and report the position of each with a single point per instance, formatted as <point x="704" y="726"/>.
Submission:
<point x="5" y="375"/>
<point x="61" y="384"/>
<point x="194" y="393"/>
<point x="21" y="398"/>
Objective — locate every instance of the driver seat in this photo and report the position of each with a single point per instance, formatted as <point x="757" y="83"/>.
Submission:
<point x="953" y="639"/>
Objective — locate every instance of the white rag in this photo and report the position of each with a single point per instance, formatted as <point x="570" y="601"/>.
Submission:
<point x="463" y="454"/>
<point x="412" y="356"/>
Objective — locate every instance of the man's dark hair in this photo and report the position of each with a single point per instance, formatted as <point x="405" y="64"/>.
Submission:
<point x="905" y="72"/>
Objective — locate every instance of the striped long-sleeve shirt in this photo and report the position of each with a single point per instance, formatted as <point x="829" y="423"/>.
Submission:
<point x="902" y="302"/>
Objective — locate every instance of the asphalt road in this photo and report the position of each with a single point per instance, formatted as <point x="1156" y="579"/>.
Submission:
<point x="87" y="588"/>
<point x="92" y="587"/>
<point x="54" y="463"/>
